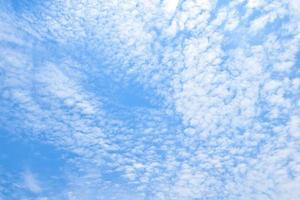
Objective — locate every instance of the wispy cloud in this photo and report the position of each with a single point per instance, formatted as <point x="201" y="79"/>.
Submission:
<point x="31" y="182"/>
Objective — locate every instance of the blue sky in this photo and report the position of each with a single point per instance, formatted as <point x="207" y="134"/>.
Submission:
<point x="149" y="100"/>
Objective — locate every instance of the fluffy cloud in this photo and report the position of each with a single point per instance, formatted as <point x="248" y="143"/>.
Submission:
<point x="215" y="109"/>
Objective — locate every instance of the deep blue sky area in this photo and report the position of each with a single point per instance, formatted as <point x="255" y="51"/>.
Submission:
<point x="149" y="100"/>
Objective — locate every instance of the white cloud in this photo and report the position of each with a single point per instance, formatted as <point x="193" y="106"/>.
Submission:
<point x="255" y="3"/>
<point x="294" y="126"/>
<point x="170" y="6"/>
<point x="227" y="92"/>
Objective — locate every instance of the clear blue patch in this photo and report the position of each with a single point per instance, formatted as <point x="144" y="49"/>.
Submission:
<point x="24" y="5"/>
<point x="130" y="94"/>
<point x="134" y="95"/>
<point x="18" y="155"/>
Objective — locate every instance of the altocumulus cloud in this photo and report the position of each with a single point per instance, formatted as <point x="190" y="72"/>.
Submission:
<point x="152" y="99"/>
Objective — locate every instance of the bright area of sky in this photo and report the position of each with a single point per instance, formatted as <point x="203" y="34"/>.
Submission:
<point x="149" y="100"/>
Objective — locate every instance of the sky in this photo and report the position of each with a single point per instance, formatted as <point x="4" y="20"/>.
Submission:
<point x="149" y="100"/>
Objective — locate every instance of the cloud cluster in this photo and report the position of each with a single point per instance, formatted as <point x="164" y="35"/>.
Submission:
<point x="215" y="109"/>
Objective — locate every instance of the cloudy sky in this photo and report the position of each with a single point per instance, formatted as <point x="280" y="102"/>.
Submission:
<point x="149" y="100"/>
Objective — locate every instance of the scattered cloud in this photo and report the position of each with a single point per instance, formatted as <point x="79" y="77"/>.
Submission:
<point x="218" y="116"/>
